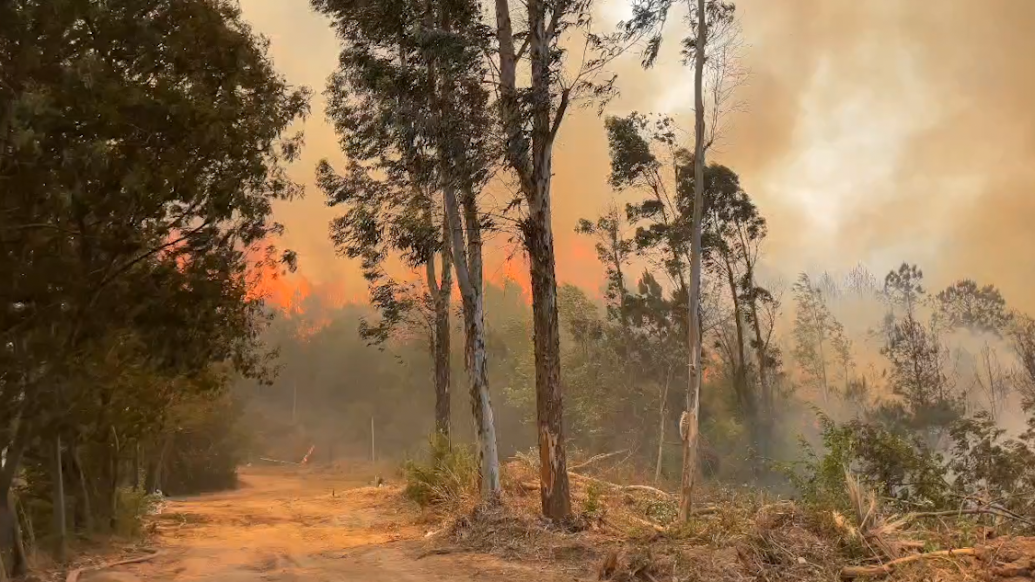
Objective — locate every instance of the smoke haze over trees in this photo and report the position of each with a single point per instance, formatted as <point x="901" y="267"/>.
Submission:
<point x="825" y="273"/>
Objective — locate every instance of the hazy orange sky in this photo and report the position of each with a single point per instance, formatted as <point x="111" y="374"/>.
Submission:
<point x="874" y="132"/>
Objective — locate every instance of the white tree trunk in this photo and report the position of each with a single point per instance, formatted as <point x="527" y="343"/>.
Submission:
<point x="690" y="443"/>
<point x="467" y="261"/>
<point x="57" y="474"/>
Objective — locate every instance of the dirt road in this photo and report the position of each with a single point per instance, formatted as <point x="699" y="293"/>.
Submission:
<point x="285" y="526"/>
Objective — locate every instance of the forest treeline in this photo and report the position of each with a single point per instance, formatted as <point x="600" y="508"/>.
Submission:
<point x="440" y="107"/>
<point x="838" y="352"/>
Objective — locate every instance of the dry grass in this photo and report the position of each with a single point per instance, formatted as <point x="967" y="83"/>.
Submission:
<point x="881" y="533"/>
<point x="626" y="534"/>
<point x="629" y="534"/>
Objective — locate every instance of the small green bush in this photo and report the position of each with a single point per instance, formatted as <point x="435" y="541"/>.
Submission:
<point x="448" y="478"/>
<point x="593" y="506"/>
<point x="978" y="461"/>
<point x="818" y="477"/>
<point x="131" y="506"/>
<point x="898" y="466"/>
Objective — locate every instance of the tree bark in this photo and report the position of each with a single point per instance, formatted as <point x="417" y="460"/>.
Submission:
<point x="440" y="293"/>
<point x="153" y="479"/>
<point x="554" y="488"/>
<point x="661" y="426"/>
<point x="136" y="466"/>
<point x="740" y="366"/>
<point x="12" y="548"/>
<point x="84" y="492"/>
<point x="690" y="443"/>
<point x="442" y="379"/>
<point x="12" y="551"/>
<point x="766" y="415"/>
<point x="549" y="398"/>
<point x="113" y="484"/>
<point x="534" y="173"/>
<point x="467" y="261"/>
<point x="58" y="500"/>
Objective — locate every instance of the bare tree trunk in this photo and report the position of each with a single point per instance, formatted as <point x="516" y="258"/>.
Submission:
<point x="440" y="293"/>
<point x="549" y="397"/>
<point x="136" y="466"/>
<point x="150" y="477"/>
<point x="534" y="173"/>
<point x="19" y="509"/>
<point x="744" y="391"/>
<point x="766" y="415"/>
<point x="116" y="476"/>
<point x="661" y="426"/>
<point x="467" y="261"/>
<point x="822" y="363"/>
<point x="12" y="550"/>
<point x="84" y="492"/>
<point x="442" y="378"/>
<point x="690" y="443"/>
<point x="538" y="231"/>
<point x="58" y="500"/>
<point x="153" y="479"/>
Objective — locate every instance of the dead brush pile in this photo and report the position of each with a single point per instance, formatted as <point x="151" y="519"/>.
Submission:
<point x="628" y="533"/>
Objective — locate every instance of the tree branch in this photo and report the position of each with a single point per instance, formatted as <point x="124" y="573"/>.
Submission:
<point x="559" y="116"/>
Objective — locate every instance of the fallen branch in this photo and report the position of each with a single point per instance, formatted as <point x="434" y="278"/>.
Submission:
<point x="278" y="461"/>
<point x="535" y="486"/>
<point x="595" y="459"/>
<point x="852" y="572"/>
<point x="646" y="488"/>
<point x="73" y="576"/>
<point x="650" y="524"/>
<point x="978" y="511"/>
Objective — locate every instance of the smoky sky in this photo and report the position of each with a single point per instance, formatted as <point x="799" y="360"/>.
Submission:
<point x="875" y="132"/>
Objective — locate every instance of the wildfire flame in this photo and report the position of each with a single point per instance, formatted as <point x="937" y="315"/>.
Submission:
<point x="297" y="297"/>
<point x="284" y="291"/>
<point x="515" y="269"/>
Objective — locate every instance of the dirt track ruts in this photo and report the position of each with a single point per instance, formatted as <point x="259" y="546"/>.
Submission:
<point x="285" y="525"/>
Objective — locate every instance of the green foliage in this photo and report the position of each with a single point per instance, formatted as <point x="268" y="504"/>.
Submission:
<point x="207" y="445"/>
<point x="142" y="146"/>
<point x="979" y="309"/>
<point x="821" y="349"/>
<point x="662" y="511"/>
<point x="131" y="507"/>
<point x="929" y="400"/>
<point x="448" y="478"/>
<point x="819" y="476"/>
<point x="593" y="507"/>
<point x="901" y="468"/>
<point x="1022" y="335"/>
<point x="988" y="464"/>
<point x="981" y="464"/>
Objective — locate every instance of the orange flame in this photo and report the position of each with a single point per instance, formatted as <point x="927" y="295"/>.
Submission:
<point x="284" y="291"/>
<point x="295" y="296"/>
<point x="515" y="270"/>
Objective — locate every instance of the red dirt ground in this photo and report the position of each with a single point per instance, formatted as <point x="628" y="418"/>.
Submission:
<point x="286" y="525"/>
